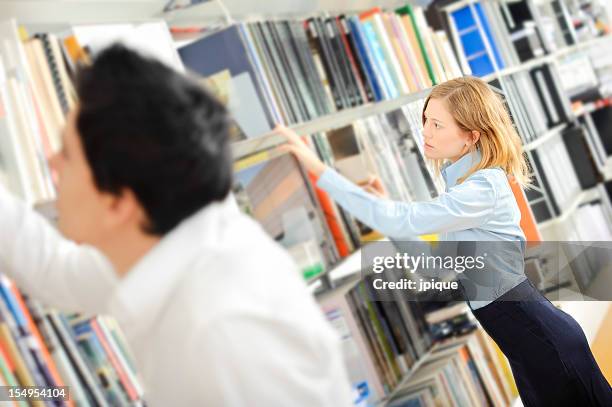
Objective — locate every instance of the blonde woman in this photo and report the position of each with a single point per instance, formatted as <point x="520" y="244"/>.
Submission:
<point x="469" y="135"/>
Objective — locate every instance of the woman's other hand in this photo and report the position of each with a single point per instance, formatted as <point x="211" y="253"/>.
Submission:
<point x="375" y="186"/>
<point x="300" y="150"/>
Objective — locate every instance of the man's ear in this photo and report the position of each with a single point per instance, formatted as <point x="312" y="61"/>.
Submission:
<point x="123" y="207"/>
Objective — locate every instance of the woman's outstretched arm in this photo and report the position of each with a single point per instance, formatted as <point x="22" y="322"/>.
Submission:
<point x="465" y="206"/>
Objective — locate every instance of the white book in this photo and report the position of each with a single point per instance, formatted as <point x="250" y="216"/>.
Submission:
<point x="426" y="35"/>
<point x="25" y="142"/>
<point x="408" y="49"/>
<point x="397" y="74"/>
<point x="359" y="358"/>
<point x="531" y="99"/>
<point x="13" y="158"/>
<point x="28" y="132"/>
<point x="151" y="38"/>
<point x="547" y="96"/>
<point x="550" y="173"/>
<point x="454" y="70"/>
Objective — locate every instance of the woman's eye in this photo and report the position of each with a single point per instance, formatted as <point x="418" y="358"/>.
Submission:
<point x="437" y="125"/>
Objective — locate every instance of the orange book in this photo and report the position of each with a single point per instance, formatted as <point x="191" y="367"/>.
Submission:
<point x="528" y="222"/>
<point x="367" y="14"/>
<point x="333" y="223"/>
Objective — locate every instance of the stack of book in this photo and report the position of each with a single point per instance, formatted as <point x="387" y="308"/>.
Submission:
<point x="464" y="371"/>
<point x="40" y="347"/>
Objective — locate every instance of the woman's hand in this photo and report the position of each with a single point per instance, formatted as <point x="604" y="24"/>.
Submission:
<point x="300" y="150"/>
<point x="375" y="186"/>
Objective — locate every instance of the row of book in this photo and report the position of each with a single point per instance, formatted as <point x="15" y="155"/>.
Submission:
<point x="536" y="101"/>
<point x="490" y="35"/>
<point x="28" y="137"/>
<point x="294" y="71"/>
<point x="402" y="351"/>
<point x="466" y="370"/>
<point x="382" y="340"/>
<point x="42" y="347"/>
<point x="590" y="222"/>
<point x="37" y="91"/>
<point x="36" y="88"/>
<point x="558" y="178"/>
<point x="571" y="160"/>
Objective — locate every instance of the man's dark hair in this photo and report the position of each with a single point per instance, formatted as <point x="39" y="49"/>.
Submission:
<point x="148" y="128"/>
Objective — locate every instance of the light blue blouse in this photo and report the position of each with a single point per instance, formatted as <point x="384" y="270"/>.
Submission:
<point x="482" y="208"/>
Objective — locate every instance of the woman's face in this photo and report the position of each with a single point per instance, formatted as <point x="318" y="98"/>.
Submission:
<point x="443" y="137"/>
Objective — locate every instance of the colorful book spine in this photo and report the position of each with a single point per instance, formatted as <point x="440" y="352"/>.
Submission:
<point x="119" y="368"/>
<point x="390" y="91"/>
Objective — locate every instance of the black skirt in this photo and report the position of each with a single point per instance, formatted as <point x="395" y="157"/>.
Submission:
<point x="549" y="355"/>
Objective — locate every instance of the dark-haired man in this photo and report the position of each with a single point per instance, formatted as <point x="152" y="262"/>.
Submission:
<point x="215" y="312"/>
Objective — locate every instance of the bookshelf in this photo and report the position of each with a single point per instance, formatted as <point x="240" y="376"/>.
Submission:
<point x="63" y="14"/>
<point x="405" y="379"/>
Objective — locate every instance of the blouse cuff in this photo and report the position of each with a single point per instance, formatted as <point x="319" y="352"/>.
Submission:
<point x="327" y="179"/>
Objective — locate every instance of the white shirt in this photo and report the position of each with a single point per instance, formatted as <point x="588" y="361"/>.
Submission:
<point x="215" y="314"/>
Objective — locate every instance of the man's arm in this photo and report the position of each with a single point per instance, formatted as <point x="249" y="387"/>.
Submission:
<point x="47" y="266"/>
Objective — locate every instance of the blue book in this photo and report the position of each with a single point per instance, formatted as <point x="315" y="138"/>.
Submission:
<point x="224" y="55"/>
<point x="473" y="41"/>
<point x="366" y="58"/>
<point x="390" y="91"/>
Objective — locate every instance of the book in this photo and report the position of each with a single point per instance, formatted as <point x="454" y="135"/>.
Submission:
<point x="236" y="73"/>
<point x="278" y="194"/>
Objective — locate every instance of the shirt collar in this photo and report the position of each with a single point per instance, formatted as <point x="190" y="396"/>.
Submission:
<point x="143" y="292"/>
<point x="451" y="172"/>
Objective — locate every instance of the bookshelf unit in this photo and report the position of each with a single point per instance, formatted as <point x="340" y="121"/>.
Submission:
<point x="47" y="15"/>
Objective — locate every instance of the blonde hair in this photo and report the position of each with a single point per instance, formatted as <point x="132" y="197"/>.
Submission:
<point x="475" y="106"/>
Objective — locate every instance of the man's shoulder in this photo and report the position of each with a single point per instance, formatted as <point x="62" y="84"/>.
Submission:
<point x="243" y="259"/>
<point x="245" y="240"/>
